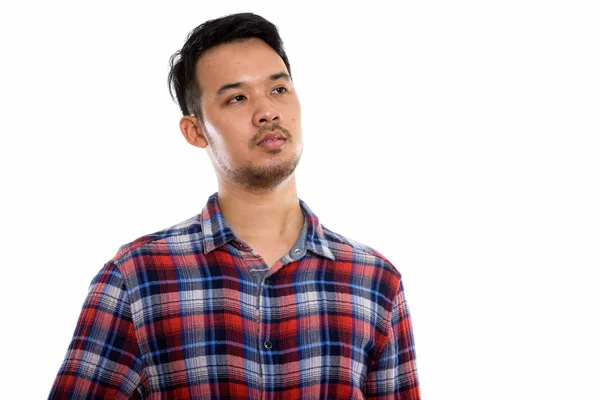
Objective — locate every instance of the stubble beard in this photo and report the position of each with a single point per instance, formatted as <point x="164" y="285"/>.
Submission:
<point x="261" y="178"/>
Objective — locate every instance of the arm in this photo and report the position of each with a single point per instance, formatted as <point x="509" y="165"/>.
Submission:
<point x="394" y="374"/>
<point x="103" y="360"/>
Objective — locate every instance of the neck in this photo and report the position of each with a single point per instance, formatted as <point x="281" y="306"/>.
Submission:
<point x="268" y="215"/>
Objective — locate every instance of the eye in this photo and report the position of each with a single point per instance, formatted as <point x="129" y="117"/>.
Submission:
<point x="236" y="99"/>
<point x="280" y="90"/>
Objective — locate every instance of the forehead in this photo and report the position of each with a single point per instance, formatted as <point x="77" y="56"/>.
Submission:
<point x="242" y="61"/>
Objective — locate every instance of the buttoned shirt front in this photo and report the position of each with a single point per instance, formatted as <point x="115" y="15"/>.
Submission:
<point x="193" y="312"/>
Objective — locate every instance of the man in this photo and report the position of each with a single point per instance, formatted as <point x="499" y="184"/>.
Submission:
<point x="252" y="298"/>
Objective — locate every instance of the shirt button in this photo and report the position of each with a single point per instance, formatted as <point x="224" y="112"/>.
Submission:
<point x="268" y="344"/>
<point x="297" y="251"/>
<point x="267" y="282"/>
<point x="241" y="246"/>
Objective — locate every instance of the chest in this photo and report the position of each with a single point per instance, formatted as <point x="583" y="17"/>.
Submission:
<point x="216" y="324"/>
<point x="271" y="252"/>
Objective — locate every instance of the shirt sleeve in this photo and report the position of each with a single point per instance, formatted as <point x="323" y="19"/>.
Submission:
<point x="103" y="360"/>
<point x="394" y="374"/>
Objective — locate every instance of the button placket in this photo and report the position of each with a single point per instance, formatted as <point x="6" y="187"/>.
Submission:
<point x="259" y="331"/>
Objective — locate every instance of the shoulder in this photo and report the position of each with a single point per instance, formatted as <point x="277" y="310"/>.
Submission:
<point x="157" y="241"/>
<point x="346" y="249"/>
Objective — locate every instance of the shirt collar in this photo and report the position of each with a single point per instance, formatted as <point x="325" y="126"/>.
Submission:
<point x="217" y="232"/>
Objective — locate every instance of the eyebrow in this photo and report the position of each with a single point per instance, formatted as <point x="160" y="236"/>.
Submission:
<point x="280" y="75"/>
<point x="235" y="85"/>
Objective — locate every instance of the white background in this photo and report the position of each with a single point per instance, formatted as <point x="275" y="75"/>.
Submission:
<point x="460" y="139"/>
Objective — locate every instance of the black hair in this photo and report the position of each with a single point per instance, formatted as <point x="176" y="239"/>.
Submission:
<point x="231" y="28"/>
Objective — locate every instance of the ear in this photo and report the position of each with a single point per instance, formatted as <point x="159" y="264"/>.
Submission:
<point x="193" y="131"/>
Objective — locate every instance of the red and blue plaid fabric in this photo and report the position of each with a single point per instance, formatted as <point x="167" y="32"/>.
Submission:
<point x="177" y="314"/>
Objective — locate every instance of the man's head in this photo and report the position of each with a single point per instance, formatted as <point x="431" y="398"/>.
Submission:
<point x="233" y="84"/>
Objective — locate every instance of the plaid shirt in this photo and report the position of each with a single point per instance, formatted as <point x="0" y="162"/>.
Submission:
<point x="178" y="314"/>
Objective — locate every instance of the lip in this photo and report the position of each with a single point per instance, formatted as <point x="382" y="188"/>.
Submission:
<point x="274" y="134"/>
<point x="273" y="144"/>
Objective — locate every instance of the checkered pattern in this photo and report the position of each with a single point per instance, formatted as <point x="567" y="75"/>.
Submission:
<point x="178" y="314"/>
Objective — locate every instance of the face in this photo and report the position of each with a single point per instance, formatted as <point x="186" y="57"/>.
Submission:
<point x="247" y="94"/>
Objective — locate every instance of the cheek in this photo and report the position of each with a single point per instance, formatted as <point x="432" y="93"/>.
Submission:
<point x="294" y="112"/>
<point x="235" y="143"/>
<point x="225" y="133"/>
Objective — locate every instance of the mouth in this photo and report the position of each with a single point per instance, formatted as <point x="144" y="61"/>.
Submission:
<point x="272" y="143"/>
<point x="273" y="138"/>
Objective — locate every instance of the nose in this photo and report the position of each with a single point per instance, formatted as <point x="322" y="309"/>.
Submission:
<point x="265" y="114"/>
